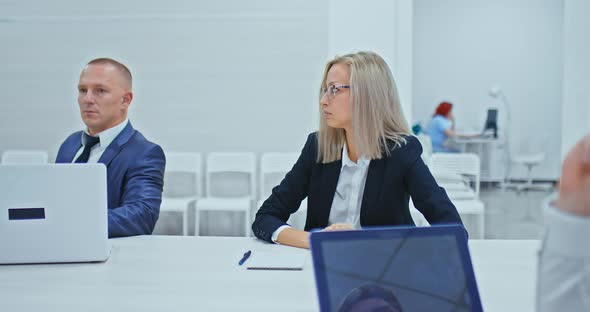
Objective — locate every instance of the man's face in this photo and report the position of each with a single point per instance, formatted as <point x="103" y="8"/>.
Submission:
<point x="103" y="96"/>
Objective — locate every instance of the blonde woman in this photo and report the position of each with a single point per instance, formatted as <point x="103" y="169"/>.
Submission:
<point x="361" y="167"/>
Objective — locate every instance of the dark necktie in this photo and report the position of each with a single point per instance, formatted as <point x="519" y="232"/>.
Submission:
<point x="89" y="142"/>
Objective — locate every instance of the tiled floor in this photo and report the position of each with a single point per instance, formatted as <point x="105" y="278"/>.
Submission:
<point x="508" y="215"/>
<point x="513" y="215"/>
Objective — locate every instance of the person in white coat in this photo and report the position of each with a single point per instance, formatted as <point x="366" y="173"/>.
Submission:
<point x="564" y="260"/>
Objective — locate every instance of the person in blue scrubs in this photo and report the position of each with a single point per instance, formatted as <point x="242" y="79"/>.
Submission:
<point x="442" y="127"/>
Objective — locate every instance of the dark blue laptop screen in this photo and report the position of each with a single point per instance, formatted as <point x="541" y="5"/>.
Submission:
<point x="418" y="273"/>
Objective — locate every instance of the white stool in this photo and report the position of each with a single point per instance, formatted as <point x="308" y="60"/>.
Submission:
<point x="529" y="161"/>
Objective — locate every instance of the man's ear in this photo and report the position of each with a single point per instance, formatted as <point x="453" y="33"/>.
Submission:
<point x="127" y="98"/>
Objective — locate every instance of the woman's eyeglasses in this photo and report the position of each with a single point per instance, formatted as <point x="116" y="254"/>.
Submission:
<point x="332" y="90"/>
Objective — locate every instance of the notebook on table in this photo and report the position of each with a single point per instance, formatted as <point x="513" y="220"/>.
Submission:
<point x="267" y="260"/>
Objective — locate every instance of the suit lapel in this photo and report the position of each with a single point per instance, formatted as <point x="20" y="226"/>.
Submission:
<point x="373" y="186"/>
<point x="72" y="149"/>
<point x="115" y="147"/>
<point x="328" y="190"/>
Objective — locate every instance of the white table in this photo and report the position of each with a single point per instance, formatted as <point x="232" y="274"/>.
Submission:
<point x="175" y="273"/>
<point x="491" y="154"/>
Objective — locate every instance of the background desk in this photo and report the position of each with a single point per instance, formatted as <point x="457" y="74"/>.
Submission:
<point x="175" y="273"/>
<point x="491" y="153"/>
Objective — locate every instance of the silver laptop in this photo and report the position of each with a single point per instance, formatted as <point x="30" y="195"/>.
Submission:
<point x="53" y="213"/>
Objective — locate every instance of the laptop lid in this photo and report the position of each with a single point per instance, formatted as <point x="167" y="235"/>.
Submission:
<point x="53" y="213"/>
<point x="394" y="269"/>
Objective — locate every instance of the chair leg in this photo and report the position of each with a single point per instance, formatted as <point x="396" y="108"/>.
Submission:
<point x="247" y="223"/>
<point x="185" y="222"/>
<point x="482" y="226"/>
<point x="529" y="185"/>
<point x="529" y="181"/>
<point x="197" y="222"/>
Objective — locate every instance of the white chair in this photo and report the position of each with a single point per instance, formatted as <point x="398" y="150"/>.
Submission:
<point x="25" y="157"/>
<point x="464" y="190"/>
<point x="182" y="184"/>
<point x="273" y="168"/>
<point x="426" y="143"/>
<point x="298" y="219"/>
<point x="229" y="181"/>
<point x="456" y="185"/>
<point x="529" y="161"/>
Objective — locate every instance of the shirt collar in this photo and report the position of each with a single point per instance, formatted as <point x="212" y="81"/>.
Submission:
<point x="346" y="161"/>
<point x="108" y="135"/>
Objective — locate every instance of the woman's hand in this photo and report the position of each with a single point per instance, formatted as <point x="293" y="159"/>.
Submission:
<point x="338" y="227"/>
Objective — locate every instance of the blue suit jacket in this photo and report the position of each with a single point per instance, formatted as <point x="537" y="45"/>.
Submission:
<point x="390" y="182"/>
<point x="135" y="177"/>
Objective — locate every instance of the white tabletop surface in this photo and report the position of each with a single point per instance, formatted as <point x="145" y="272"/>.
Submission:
<point x="475" y="140"/>
<point x="175" y="273"/>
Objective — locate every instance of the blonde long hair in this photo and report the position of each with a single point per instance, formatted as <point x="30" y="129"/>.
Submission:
<point x="376" y="111"/>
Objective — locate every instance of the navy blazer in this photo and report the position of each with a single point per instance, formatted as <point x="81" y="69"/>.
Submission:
<point x="390" y="182"/>
<point x="135" y="178"/>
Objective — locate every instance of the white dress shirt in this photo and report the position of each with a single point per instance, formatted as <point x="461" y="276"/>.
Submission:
<point x="564" y="262"/>
<point x="106" y="138"/>
<point x="346" y="205"/>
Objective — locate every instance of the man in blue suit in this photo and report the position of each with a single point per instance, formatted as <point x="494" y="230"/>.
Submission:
<point x="135" y="166"/>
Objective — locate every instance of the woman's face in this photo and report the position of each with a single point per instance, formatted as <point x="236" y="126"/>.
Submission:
<point x="335" y="102"/>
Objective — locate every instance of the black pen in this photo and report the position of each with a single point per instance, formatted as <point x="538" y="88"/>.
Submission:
<point x="245" y="257"/>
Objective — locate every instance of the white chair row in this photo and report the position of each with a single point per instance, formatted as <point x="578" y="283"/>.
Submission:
<point x="230" y="184"/>
<point x="229" y="181"/>
<point x="459" y="175"/>
<point x="24" y="157"/>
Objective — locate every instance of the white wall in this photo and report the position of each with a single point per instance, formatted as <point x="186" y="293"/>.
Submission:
<point x="575" y="116"/>
<point x="463" y="47"/>
<point x="208" y="75"/>
<point x="381" y="26"/>
<point x="235" y="75"/>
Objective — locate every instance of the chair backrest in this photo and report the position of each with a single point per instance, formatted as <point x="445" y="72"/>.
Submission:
<point x="464" y="164"/>
<point x="230" y="175"/>
<point x="273" y="167"/>
<point x="183" y="175"/>
<point x="24" y="157"/>
<point x="426" y="143"/>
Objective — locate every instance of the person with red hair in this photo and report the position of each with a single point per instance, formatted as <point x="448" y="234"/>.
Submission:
<point x="441" y="128"/>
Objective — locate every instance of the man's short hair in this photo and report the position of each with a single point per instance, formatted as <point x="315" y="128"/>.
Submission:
<point x="118" y="65"/>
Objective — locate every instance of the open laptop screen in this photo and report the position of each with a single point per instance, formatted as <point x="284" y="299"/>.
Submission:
<point x="402" y="269"/>
<point x="491" y="122"/>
